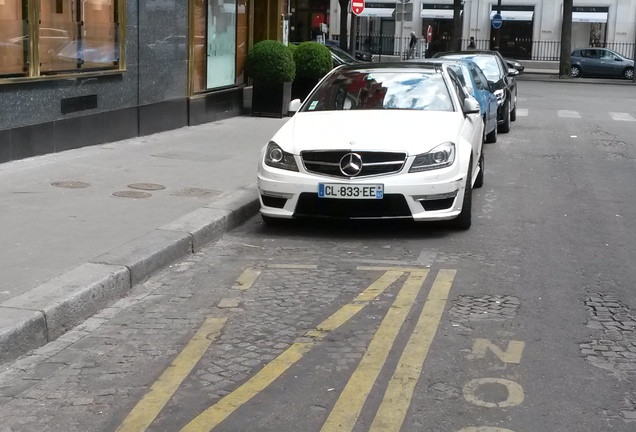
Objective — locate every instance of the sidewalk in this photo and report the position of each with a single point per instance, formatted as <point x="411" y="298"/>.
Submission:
<point x="79" y="228"/>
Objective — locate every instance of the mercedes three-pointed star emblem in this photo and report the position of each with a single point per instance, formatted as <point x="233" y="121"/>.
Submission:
<point x="351" y="164"/>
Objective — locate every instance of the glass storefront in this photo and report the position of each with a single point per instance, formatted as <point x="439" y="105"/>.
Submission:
<point x="589" y="26"/>
<point x="72" y="36"/>
<point x="440" y="17"/>
<point x="516" y="32"/>
<point x="220" y="39"/>
<point x="13" y="38"/>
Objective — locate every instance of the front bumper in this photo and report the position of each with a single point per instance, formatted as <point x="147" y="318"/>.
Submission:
<point x="430" y="195"/>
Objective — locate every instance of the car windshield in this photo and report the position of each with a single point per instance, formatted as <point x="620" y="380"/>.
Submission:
<point x="382" y="89"/>
<point x="488" y="64"/>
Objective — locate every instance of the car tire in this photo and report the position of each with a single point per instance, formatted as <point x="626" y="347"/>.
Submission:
<point x="505" y="126"/>
<point x="464" y="220"/>
<point x="628" y="73"/>
<point x="479" y="181"/>
<point x="576" y="71"/>
<point x="513" y="113"/>
<point x="273" y="221"/>
<point x="492" y="136"/>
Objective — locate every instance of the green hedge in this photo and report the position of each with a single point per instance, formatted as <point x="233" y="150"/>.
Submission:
<point x="313" y="60"/>
<point x="270" y="61"/>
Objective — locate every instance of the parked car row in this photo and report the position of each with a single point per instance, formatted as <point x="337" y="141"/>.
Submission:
<point x="389" y="141"/>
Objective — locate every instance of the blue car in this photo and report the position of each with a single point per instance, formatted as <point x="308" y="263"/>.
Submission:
<point x="476" y="84"/>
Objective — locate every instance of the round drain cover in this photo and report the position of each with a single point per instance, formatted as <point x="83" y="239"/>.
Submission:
<point x="70" y="184"/>
<point x="147" y="186"/>
<point x="132" y="194"/>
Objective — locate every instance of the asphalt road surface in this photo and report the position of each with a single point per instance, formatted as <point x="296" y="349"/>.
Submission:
<point x="526" y="322"/>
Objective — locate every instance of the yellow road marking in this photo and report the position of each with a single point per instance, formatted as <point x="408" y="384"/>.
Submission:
<point x="213" y="416"/>
<point x="512" y="354"/>
<point x="292" y="266"/>
<point x="403" y="269"/>
<point x="345" y="413"/>
<point x="247" y="279"/>
<point x="399" y="393"/>
<point x="162" y="390"/>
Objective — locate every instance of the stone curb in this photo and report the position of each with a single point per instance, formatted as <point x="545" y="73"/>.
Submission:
<point x="554" y="77"/>
<point x="46" y="312"/>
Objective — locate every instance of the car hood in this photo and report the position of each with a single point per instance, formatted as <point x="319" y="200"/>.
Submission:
<point x="389" y="130"/>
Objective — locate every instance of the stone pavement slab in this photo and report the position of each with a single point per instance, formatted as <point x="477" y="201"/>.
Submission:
<point x="132" y="207"/>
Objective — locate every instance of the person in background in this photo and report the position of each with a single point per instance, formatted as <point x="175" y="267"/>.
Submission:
<point x="412" y="46"/>
<point x="471" y="44"/>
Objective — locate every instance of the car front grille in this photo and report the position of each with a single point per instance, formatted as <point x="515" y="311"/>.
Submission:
<point x="373" y="163"/>
<point x="391" y="205"/>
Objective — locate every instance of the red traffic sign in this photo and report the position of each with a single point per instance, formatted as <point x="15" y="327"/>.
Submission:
<point x="357" y="6"/>
<point x="429" y="34"/>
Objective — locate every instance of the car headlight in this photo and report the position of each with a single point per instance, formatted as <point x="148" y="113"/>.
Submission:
<point x="278" y="158"/>
<point x="441" y="156"/>
<point x="501" y="96"/>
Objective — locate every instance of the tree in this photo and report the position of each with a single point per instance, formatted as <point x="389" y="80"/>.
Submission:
<point x="344" y="13"/>
<point x="565" y="62"/>
<point x="456" y="43"/>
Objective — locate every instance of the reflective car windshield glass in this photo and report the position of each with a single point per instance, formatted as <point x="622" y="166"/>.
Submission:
<point x="489" y="66"/>
<point x="373" y="90"/>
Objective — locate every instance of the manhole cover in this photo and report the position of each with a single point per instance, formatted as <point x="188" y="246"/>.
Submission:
<point x="196" y="193"/>
<point x="132" y="194"/>
<point x="70" y="184"/>
<point x="147" y="186"/>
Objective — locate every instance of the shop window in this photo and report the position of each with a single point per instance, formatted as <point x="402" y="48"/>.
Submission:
<point x="72" y="36"/>
<point x="220" y="40"/>
<point x="13" y="38"/>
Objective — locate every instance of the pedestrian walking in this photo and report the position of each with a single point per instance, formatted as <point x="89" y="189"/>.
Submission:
<point x="471" y="44"/>
<point x="412" y="46"/>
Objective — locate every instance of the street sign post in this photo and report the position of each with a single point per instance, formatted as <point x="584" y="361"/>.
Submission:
<point x="357" y="6"/>
<point x="497" y="21"/>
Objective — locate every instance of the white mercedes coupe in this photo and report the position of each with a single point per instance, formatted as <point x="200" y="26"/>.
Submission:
<point x="377" y="141"/>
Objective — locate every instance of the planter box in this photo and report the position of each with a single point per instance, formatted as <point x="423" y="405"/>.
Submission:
<point x="302" y="87"/>
<point x="271" y="99"/>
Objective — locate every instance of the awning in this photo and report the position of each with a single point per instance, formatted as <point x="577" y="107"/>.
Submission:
<point x="591" y="17"/>
<point x="437" y="13"/>
<point x="514" y="15"/>
<point x="377" y="12"/>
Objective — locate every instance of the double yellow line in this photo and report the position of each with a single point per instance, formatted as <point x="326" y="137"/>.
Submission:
<point x="399" y="393"/>
<point x="346" y="412"/>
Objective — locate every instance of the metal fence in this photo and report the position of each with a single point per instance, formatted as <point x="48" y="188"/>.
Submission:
<point x="520" y="49"/>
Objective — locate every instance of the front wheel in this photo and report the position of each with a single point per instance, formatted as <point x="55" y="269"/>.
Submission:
<point x="464" y="220"/>
<point x="479" y="181"/>
<point x="273" y="221"/>
<point x="576" y="71"/>
<point x="491" y="137"/>
<point x="505" y="126"/>
<point x="513" y="113"/>
<point x="628" y="73"/>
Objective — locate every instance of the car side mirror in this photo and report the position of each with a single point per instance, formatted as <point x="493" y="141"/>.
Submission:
<point x="513" y="72"/>
<point x="471" y="106"/>
<point x="294" y="105"/>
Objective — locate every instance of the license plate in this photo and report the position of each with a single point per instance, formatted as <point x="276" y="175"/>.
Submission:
<point x="336" y="190"/>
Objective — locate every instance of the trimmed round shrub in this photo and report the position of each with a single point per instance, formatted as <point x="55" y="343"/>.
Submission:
<point x="271" y="61"/>
<point x="313" y="60"/>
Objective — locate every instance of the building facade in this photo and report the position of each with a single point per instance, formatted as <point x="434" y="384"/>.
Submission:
<point x="95" y="71"/>
<point x="531" y="28"/>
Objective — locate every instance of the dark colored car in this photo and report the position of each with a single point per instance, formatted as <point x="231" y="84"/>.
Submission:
<point x="340" y="56"/>
<point x="501" y="79"/>
<point x="601" y="62"/>
<point x="514" y="64"/>
<point x="359" y="54"/>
